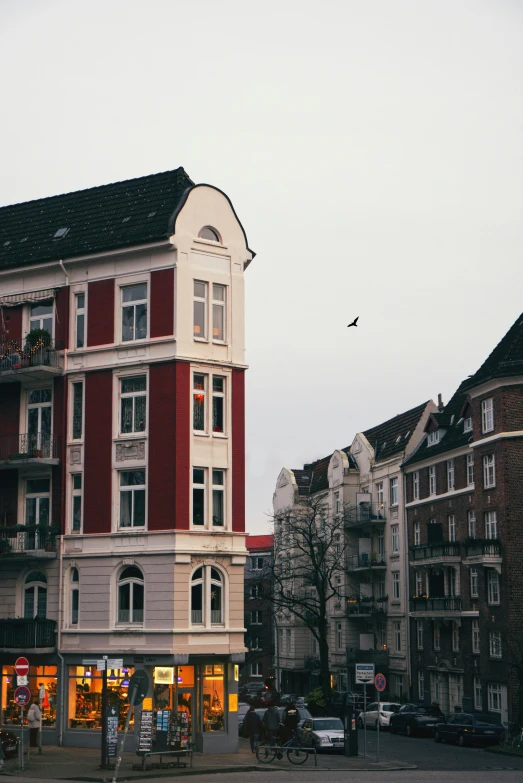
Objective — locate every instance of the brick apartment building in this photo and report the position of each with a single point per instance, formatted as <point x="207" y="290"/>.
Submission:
<point x="122" y="464"/>
<point x="259" y="620"/>
<point x="465" y="531"/>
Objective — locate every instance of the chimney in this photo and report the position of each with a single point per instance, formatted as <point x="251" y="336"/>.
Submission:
<point x="440" y="402"/>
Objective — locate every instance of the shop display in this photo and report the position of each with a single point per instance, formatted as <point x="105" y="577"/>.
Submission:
<point x="145" y="736"/>
<point x="38" y="676"/>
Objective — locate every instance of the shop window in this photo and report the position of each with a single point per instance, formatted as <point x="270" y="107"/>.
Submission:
<point x="35" y="595"/>
<point x="174" y="703"/>
<point x="38" y="676"/>
<point x="84" y="695"/>
<point x="213" y="698"/>
<point x="130" y="596"/>
<point x="207" y="593"/>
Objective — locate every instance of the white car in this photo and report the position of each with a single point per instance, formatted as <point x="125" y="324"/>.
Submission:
<point x="322" y="734"/>
<point x="370" y="718"/>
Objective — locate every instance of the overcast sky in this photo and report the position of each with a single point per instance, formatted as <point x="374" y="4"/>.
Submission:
<point x="372" y="150"/>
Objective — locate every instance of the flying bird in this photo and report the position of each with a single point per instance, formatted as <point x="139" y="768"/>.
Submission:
<point x="354" y="323"/>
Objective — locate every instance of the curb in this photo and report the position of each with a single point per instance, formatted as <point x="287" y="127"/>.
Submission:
<point x="500" y="752"/>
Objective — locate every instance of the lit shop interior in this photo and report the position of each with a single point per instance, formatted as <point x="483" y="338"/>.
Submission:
<point x="38" y="676"/>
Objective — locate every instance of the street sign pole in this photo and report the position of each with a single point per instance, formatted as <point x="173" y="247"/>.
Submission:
<point x="21" y="759"/>
<point x="378" y="731"/>
<point x="104" y="762"/>
<point x="122" y="741"/>
<point x="364" y="721"/>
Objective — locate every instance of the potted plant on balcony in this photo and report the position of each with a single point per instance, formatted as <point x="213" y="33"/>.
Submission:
<point x="37" y="345"/>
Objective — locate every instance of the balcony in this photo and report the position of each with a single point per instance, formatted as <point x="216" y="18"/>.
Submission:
<point x="365" y="514"/>
<point x="444" y="552"/>
<point x="38" y="362"/>
<point x="27" y="635"/>
<point x="421" y="606"/>
<point x="367" y="560"/>
<point x="365" y="607"/>
<point x="32" y="449"/>
<point x="482" y="551"/>
<point x="24" y="541"/>
<point x="380" y="658"/>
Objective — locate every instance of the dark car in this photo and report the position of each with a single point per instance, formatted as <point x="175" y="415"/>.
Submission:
<point x="267" y="698"/>
<point x="470" y="728"/>
<point x="413" y="719"/>
<point x="9" y="743"/>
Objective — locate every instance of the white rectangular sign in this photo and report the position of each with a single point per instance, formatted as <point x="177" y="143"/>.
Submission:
<point x="364" y="673"/>
<point x="114" y="663"/>
<point x="21" y="679"/>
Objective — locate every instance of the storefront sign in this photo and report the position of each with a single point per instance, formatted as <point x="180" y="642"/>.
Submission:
<point x="233" y="702"/>
<point x="112" y="732"/>
<point x="115" y="663"/>
<point x="236" y="672"/>
<point x="145" y="736"/>
<point x="164" y="675"/>
<point x="147" y="704"/>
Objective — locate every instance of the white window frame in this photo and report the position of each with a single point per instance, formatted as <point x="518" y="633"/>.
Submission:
<point x="379" y="493"/>
<point x="133" y="395"/>
<point x="132" y="580"/>
<point x="467" y="424"/>
<point x="202" y="299"/>
<point x="453" y="582"/>
<point x="470" y="470"/>
<point x="417" y="534"/>
<point x="72" y="383"/>
<point x="474" y="583"/>
<point x="255" y="644"/>
<point x="493" y="592"/>
<point x="487" y="415"/>
<point x="476" y="642"/>
<point x="451" y="523"/>
<point x="336" y="503"/>
<point x="215" y="396"/>
<point x="215" y="489"/>
<point x="396" y="592"/>
<point x="495" y="691"/>
<point x="80" y="312"/>
<point x="450" y="475"/>
<point x="396" y="626"/>
<point x="132" y="488"/>
<point x="200" y="393"/>
<point x="217" y="305"/>
<point x="77" y="492"/>
<point x="421" y="685"/>
<point x="495" y="645"/>
<point x="415" y="485"/>
<point x="339" y="636"/>
<point x="419" y="634"/>
<point x="198" y="485"/>
<point x="395" y="538"/>
<point x="31" y="320"/>
<point x="74" y="587"/>
<point x="256" y="669"/>
<point x="478" y="695"/>
<point x="419" y="584"/>
<point x="257" y="563"/>
<point x="130" y="283"/>
<point x="39" y="444"/>
<point x="433" y="438"/>
<point x="393" y="491"/>
<point x="489" y="471"/>
<point x="432" y="480"/>
<point x="38" y="496"/>
<point x="207" y="581"/>
<point x="256" y="617"/>
<point x="471" y="521"/>
<point x="491" y="525"/>
<point x="455" y="636"/>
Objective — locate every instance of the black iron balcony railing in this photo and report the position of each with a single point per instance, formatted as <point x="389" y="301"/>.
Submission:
<point x="366" y="560"/>
<point x="482" y="547"/>
<point x="363" y="606"/>
<point x="378" y="657"/>
<point x="365" y="513"/>
<point x="24" y="539"/>
<point x="27" y="634"/>
<point x="17" y="355"/>
<point x="38" y="445"/>
<point x="437" y="551"/>
<point x="425" y="604"/>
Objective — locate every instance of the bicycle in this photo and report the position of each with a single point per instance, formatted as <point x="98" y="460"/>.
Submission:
<point x="266" y="752"/>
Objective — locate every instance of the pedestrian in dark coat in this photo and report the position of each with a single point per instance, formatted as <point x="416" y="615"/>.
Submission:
<point x="271" y="724"/>
<point x="253" y="725"/>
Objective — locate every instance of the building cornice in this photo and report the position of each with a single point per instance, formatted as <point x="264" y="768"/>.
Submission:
<point x="497" y="436"/>
<point x="443" y="496"/>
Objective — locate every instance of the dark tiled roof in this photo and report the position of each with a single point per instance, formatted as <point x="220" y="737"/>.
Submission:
<point x="452" y="436"/>
<point x="259" y="543"/>
<point x="506" y="358"/>
<point x="442" y="419"/>
<point x="392" y="436"/>
<point x="314" y="477"/>
<point x="134" y="212"/>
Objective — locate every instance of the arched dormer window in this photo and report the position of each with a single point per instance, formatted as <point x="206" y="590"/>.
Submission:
<point x="35" y="595"/>
<point x="207" y="232"/>
<point x="75" y="595"/>
<point x="130" y="596"/>
<point x="207" y="596"/>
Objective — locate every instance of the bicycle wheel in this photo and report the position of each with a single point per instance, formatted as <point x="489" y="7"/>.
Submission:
<point x="297" y="755"/>
<point x="266" y="753"/>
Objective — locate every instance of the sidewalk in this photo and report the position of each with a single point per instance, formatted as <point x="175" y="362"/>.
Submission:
<point x="82" y="764"/>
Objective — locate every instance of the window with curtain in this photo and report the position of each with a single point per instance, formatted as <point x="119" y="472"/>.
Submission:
<point x="35" y="595"/>
<point x="131" y="595"/>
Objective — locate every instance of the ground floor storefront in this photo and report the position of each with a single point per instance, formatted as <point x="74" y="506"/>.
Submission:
<point x="188" y="702"/>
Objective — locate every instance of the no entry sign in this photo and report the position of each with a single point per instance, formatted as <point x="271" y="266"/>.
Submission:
<point x="22" y="666"/>
<point x="22" y="696"/>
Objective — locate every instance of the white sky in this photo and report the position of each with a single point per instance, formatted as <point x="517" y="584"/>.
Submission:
<point x="371" y="148"/>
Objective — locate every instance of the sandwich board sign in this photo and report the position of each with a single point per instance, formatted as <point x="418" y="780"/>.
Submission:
<point x="364" y="673"/>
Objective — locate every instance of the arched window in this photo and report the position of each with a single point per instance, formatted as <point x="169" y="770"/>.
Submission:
<point x="207" y="592"/>
<point x="130" y="595"/>
<point x="75" y="595"/>
<point x="207" y="232"/>
<point x="35" y="595"/>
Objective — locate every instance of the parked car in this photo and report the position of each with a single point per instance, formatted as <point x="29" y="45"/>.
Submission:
<point x="289" y="698"/>
<point x="412" y="719"/>
<point x="9" y="743"/>
<point x="370" y="718"/>
<point x="470" y="728"/>
<point x="322" y="734"/>
<point x="243" y="709"/>
<point x="266" y="698"/>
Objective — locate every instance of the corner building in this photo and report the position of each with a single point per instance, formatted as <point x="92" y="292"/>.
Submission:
<point x="122" y="453"/>
<point x="464" y="515"/>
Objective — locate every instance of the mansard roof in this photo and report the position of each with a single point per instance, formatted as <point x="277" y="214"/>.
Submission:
<point x="392" y="437"/>
<point x="123" y="214"/>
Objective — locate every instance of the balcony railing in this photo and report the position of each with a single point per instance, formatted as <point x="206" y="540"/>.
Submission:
<point x="482" y="547"/>
<point x="25" y="540"/>
<point x="37" y="361"/>
<point x="366" y="560"/>
<point x="446" y="604"/>
<point x="363" y="607"/>
<point x="379" y="657"/>
<point x="365" y="514"/>
<point x="38" y="445"/>
<point x="439" y="551"/>
<point x="27" y="634"/>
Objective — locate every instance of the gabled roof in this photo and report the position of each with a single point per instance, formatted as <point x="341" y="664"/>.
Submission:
<point x="122" y="214"/>
<point x="393" y="435"/>
<point x="506" y="358"/>
<point x="453" y="436"/>
<point x="259" y="543"/>
<point x="314" y="477"/>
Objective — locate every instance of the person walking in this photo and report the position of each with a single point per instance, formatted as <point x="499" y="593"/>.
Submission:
<point x="33" y="718"/>
<point x="271" y="724"/>
<point x="253" y="725"/>
<point x="290" y="721"/>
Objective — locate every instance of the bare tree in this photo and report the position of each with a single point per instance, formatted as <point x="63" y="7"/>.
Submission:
<point x="309" y="558"/>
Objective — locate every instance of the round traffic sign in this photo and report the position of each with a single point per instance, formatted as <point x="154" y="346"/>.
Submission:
<point x="380" y="682"/>
<point x="138" y="686"/>
<point x="22" y="666"/>
<point x="22" y="696"/>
